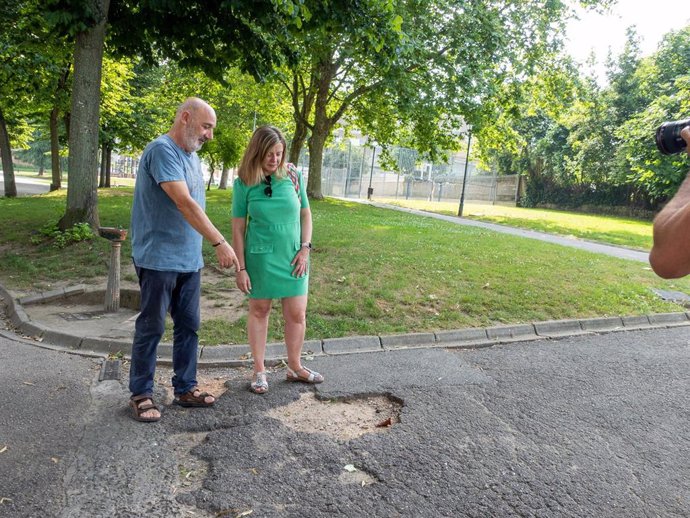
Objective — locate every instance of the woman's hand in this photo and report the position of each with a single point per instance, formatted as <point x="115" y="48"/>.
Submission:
<point x="243" y="282"/>
<point x="301" y="263"/>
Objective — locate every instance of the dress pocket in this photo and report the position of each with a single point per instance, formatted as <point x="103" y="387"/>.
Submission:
<point x="261" y="248"/>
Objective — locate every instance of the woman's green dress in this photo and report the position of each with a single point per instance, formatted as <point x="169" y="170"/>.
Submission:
<point x="273" y="235"/>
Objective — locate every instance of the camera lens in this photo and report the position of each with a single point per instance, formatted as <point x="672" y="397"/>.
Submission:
<point x="668" y="138"/>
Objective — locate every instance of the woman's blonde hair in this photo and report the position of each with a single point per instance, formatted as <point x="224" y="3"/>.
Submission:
<point x="263" y="139"/>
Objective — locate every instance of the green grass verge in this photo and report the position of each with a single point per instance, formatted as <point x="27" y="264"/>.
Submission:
<point x="374" y="271"/>
<point x="626" y="232"/>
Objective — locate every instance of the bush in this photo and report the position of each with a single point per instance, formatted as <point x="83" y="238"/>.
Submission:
<point x="79" y="232"/>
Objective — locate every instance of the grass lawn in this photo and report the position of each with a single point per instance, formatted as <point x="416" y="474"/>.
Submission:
<point x="374" y="271"/>
<point x="626" y="232"/>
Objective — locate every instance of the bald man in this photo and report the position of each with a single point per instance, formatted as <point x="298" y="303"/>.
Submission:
<point x="167" y="229"/>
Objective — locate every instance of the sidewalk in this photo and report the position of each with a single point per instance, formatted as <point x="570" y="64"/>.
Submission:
<point x="73" y="319"/>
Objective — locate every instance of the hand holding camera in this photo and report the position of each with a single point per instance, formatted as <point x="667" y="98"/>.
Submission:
<point x="669" y="136"/>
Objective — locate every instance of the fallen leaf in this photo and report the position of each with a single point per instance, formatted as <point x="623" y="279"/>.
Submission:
<point x="385" y="423"/>
<point x="350" y="468"/>
<point x="4" y="449"/>
<point x="55" y="459"/>
<point x="28" y="383"/>
<point x="4" y="499"/>
<point x="362" y="483"/>
<point x="254" y="471"/>
<point x="245" y="513"/>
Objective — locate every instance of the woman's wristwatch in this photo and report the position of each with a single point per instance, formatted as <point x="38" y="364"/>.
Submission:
<point x="306" y="244"/>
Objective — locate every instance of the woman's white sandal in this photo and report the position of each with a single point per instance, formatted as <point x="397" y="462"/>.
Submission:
<point x="313" y="377"/>
<point x="259" y="385"/>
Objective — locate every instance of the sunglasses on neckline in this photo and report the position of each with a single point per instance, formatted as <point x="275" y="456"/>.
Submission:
<point x="268" y="191"/>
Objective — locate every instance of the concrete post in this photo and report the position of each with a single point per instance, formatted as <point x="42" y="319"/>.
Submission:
<point x="112" y="293"/>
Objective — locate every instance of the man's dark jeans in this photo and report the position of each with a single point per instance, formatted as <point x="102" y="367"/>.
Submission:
<point x="160" y="291"/>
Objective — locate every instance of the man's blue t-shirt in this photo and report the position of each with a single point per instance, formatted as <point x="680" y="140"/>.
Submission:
<point x="161" y="238"/>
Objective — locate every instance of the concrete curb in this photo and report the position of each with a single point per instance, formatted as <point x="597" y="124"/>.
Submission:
<point x="236" y="355"/>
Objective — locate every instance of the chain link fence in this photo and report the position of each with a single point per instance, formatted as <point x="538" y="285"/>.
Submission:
<point x="355" y="171"/>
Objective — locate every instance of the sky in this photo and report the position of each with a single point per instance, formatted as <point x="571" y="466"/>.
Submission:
<point x="598" y="33"/>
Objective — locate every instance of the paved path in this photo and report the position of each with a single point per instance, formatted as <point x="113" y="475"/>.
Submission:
<point x="26" y="186"/>
<point x="615" y="251"/>
<point x="585" y="426"/>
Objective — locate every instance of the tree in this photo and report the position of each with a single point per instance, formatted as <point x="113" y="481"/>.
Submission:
<point x="423" y="68"/>
<point x="176" y="29"/>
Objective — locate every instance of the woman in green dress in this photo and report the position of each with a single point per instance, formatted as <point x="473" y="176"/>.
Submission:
<point x="271" y="234"/>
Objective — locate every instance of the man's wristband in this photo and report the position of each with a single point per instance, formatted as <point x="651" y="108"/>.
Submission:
<point x="219" y="243"/>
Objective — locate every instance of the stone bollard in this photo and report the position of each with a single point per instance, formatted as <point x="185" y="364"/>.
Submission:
<point x="112" y="293"/>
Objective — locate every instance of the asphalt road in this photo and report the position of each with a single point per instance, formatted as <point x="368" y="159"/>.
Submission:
<point x="26" y="186"/>
<point x="585" y="426"/>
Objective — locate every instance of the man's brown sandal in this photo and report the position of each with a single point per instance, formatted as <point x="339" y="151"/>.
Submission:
<point x="139" y="407"/>
<point x="194" y="398"/>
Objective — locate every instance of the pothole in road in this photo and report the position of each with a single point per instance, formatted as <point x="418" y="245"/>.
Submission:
<point x="191" y="469"/>
<point x="341" y="418"/>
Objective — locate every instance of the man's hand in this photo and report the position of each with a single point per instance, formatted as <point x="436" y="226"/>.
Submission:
<point x="226" y="256"/>
<point x="685" y="135"/>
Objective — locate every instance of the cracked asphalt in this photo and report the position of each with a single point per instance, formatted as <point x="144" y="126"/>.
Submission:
<point x="594" y="425"/>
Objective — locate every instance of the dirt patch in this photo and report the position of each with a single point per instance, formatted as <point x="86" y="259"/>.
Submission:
<point x="342" y="419"/>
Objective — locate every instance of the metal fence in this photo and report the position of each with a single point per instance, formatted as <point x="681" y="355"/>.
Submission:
<point x="355" y="171"/>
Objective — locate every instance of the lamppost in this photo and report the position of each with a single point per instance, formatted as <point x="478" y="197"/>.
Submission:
<point x="464" y="177"/>
<point x="370" y="191"/>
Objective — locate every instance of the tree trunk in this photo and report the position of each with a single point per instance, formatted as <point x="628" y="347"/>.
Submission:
<point x="316" y="145"/>
<point x="6" y="155"/>
<point x="55" y="150"/>
<point x="297" y="140"/>
<point x="321" y="129"/>
<point x="101" y="169"/>
<point x="108" y="164"/>
<point x="301" y="112"/>
<point x="224" y="178"/>
<point x="56" y="182"/>
<point x="82" y="192"/>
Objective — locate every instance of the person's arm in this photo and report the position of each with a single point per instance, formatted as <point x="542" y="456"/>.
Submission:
<point x="197" y="218"/>
<point x="242" y="279"/>
<point x="670" y="254"/>
<point x="301" y="260"/>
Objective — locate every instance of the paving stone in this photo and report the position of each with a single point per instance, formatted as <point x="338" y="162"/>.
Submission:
<point x="408" y="340"/>
<point x="33" y="329"/>
<point x="553" y="328"/>
<point x="511" y="332"/>
<point x="602" y="324"/>
<point x="51" y="336"/>
<point x="669" y="319"/>
<point x="352" y="344"/>
<point x="470" y="337"/>
<point x="105" y="345"/>
<point x="636" y="322"/>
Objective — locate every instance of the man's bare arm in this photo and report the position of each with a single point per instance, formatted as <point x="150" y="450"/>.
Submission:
<point x="670" y="254"/>
<point x="197" y="218"/>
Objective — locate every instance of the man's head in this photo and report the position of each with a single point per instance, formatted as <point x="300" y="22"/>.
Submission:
<point x="194" y="124"/>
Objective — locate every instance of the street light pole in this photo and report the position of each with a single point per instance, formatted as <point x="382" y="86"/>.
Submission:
<point x="464" y="178"/>
<point x="370" y="191"/>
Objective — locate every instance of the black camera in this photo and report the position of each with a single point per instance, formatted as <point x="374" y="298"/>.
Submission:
<point x="668" y="138"/>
